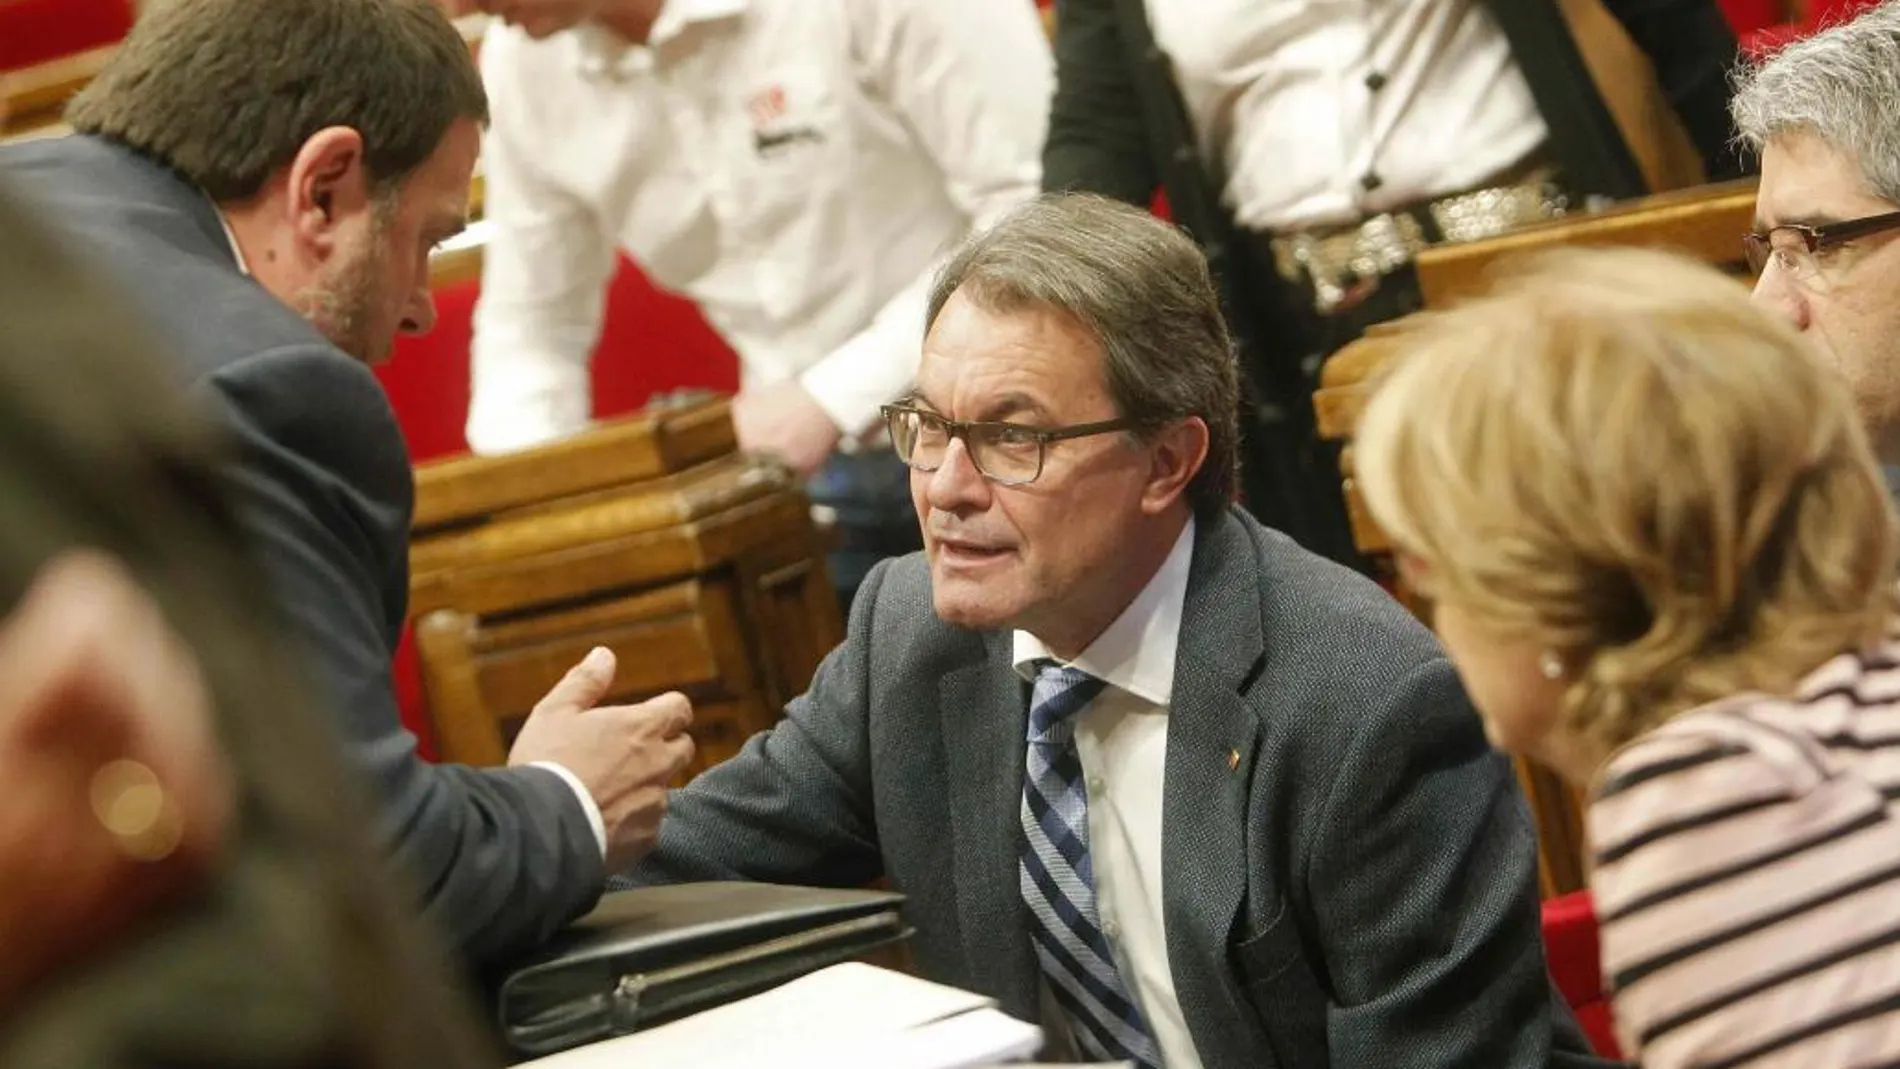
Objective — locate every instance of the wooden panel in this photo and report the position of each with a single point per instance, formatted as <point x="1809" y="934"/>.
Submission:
<point x="32" y="99"/>
<point x="1706" y="223"/>
<point x="465" y="732"/>
<point x="795" y="607"/>
<point x="567" y="571"/>
<point x="684" y="637"/>
<point x="1556" y="811"/>
<point x="1347" y="376"/>
<point x="720" y="729"/>
<point x="659" y="440"/>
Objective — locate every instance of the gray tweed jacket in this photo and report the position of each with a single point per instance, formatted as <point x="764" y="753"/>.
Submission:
<point x="1358" y="891"/>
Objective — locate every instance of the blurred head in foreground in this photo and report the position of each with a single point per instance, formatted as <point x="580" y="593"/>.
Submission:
<point x="1627" y="493"/>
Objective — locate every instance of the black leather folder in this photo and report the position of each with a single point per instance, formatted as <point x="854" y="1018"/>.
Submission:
<point x="653" y="954"/>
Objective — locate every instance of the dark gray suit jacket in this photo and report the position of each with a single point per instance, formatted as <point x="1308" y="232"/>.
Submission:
<point x="322" y="483"/>
<point x="1359" y="890"/>
<point x="298" y="951"/>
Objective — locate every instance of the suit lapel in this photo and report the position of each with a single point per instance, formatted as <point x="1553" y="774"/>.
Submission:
<point x="1212" y="737"/>
<point x="984" y="716"/>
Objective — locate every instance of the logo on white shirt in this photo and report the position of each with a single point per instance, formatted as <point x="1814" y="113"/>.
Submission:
<point x="772" y="130"/>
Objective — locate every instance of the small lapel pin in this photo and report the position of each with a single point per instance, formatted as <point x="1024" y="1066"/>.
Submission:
<point x="1233" y="760"/>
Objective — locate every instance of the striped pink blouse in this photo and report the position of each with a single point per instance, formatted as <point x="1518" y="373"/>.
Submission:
<point x="1747" y="878"/>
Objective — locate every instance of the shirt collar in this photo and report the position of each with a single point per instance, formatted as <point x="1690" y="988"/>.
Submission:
<point x="230" y="235"/>
<point x="1136" y="653"/>
<point x="604" y="54"/>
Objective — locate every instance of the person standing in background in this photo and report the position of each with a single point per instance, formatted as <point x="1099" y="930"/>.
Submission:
<point x="795" y="167"/>
<point x="1315" y="148"/>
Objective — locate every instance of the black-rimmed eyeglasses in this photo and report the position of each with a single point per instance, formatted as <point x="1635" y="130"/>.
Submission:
<point x="1008" y="454"/>
<point x="1794" y="246"/>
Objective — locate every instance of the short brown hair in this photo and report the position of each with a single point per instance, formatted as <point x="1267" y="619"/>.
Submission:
<point x="1141" y="286"/>
<point x="225" y="92"/>
<point x="1617" y="457"/>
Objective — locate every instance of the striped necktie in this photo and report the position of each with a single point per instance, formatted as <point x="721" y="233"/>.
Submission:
<point x="1058" y="880"/>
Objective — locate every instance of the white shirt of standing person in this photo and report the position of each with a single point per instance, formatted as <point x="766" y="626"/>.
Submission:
<point x="796" y="167"/>
<point x="1323" y="112"/>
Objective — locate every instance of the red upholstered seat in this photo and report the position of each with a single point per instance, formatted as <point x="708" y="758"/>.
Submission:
<point x="651" y="343"/>
<point x="1820" y="15"/>
<point x="1748" y="16"/>
<point x="34" y="31"/>
<point x="1570" y="945"/>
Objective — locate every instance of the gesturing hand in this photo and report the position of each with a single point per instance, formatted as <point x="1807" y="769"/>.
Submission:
<point x="625" y="755"/>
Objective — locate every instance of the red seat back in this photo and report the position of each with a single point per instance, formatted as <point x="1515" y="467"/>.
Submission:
<point x="1570" y="946"/>
<point x="34" y="31"/>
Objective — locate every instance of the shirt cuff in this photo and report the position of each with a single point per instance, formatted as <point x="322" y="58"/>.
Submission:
<point x="520" y="401"/>
<point x="855" y="380"/>
<point x="587" y="801"/>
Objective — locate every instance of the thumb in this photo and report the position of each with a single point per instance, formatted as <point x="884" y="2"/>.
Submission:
<point x="585" y="684"/>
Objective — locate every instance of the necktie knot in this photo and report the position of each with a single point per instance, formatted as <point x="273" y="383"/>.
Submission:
<point x="1060" y="692"/>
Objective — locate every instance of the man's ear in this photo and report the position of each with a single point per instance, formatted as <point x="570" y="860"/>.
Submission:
<point x="1176" y="455"/>
<point x="327" y="185"/>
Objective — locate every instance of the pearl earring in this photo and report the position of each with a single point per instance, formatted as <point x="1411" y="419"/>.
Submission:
<point x="1551" y="665"/>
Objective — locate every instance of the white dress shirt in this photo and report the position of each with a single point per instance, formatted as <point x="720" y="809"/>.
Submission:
<point x="1122" y="739"/>
<point x="1324" y="111"/>
<point x="796" y="167"/>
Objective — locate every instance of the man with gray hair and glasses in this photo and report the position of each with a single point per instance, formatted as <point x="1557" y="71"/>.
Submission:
<point x="1148" y="772"/>
<point x="1826" y="243"/>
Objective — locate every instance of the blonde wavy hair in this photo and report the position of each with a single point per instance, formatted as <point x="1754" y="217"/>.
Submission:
<point x="1615" y="456"/>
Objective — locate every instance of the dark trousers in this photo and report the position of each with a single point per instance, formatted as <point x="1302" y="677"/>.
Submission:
<point x="869" y="492"/>
<point x="1290" y="479"/>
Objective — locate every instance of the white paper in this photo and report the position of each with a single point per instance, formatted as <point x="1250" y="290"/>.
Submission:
<point x="844" y="1017"/>
<point x="972" y="1040"/>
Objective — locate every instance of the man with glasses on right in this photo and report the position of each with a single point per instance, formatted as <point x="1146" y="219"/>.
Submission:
<point x="1821" y="114"/>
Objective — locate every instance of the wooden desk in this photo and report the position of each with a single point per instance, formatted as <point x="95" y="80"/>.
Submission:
<point x="699" y="567"/>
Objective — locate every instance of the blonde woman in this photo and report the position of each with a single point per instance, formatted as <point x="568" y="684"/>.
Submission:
<point x="1660" y="553"/>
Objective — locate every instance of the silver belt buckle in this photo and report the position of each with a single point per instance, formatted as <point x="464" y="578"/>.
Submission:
<point x="1487" y="213"/>
<point x="1344" y="267"/>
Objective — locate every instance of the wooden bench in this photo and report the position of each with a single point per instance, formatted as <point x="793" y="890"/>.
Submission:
<point x="1706" y="223"/>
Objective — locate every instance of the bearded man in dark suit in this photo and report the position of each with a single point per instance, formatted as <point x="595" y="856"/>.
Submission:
<point x="186" y="877"/>
<point x="267" y="181"/>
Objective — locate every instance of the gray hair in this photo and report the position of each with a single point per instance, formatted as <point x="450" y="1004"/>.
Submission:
<point x="1141" y="287"/>
<point x="1842" y="85"/>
